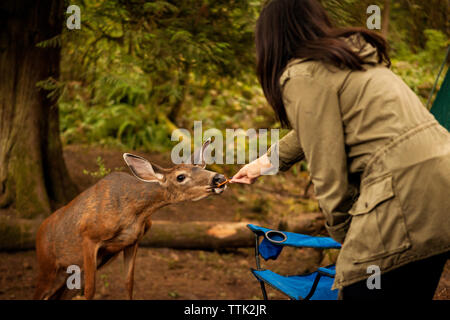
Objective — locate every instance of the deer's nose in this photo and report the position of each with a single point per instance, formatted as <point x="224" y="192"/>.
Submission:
<point x="218" y="179"/>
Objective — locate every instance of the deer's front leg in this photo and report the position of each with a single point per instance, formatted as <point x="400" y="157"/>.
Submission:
<point x="90" y="267"/>
<point x="129" y="259"/>
<point x="148" y="225"/>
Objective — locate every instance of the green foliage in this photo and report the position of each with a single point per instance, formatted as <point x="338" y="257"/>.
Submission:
<point x="54" y="42"/>
<point x="120" y="124"/>
<point x="102" y="170"/>
<point x="139" y="69"/>
<point x="51" y="87"/>
<point x="419" y="70"/>
<point x="418" y="35"/>
<point x="348" y="12"/>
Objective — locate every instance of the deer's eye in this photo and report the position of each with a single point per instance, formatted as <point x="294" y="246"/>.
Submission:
<point x="181" y="177"/>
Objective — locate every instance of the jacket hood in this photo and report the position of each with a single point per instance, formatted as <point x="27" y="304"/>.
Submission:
<point x="367" y="52"/>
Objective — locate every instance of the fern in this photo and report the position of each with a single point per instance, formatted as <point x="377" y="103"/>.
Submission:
<point x="54" y="42"/>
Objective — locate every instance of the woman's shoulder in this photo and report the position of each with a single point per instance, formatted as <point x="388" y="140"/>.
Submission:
<point x="295" y="67"/>
<point x="313" y="69"/>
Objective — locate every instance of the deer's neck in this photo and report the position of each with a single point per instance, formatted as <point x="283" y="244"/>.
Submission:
<point x="149" y="197"/>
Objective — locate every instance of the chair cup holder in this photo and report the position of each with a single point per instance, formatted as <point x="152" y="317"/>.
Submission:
<point x="276" y="237"/>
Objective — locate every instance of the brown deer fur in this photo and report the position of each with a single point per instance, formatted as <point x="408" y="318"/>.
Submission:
<point x="111" y="217"/>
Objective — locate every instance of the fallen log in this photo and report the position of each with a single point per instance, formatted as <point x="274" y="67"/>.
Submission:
<point x="312" y="223"/>
<point x="215" y="235"/>
<point x="198" y="235"/>
<point x="20" y="234"/>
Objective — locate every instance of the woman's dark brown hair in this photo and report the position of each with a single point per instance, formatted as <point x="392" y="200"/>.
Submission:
<point x="288" y="29"/>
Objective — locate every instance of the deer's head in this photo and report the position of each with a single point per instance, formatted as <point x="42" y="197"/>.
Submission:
<point x="183" y="181"/>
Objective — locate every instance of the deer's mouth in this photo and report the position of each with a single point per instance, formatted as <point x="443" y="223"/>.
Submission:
<point x="217" y="190"/>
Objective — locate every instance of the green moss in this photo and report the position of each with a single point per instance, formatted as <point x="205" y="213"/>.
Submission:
<point x="15" y="235"/>
<point x="163" y="236"/>
<point x="31" y="199"/>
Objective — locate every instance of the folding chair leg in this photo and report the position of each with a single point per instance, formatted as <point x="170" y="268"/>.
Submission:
<point x="313" y="288"/>
<point x="263" y="289"/>
<point x="258" y="266"/>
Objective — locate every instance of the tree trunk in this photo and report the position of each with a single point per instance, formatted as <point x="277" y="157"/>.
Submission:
<point x="183" y="82"/>
<point x="386" y="18"/>
<point x="33" y="176"/>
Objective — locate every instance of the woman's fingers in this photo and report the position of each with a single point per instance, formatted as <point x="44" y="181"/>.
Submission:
<point x="252" y="171"/>
<point x="241" y="173"/>
<point x="239" y="177"/>
<point x="244" y="176"/>
<point x="244" y="180"/>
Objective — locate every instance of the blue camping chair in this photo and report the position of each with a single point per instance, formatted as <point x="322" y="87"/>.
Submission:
<point x="312" y="286"/>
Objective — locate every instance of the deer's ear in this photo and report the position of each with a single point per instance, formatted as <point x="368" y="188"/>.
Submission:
<point x="142" y="169"/>
<point x="198" y="156"/>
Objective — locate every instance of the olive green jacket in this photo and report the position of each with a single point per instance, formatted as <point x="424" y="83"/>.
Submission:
<point x="379" y="161"/>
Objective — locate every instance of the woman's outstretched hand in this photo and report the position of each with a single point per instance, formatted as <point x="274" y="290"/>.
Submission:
<point x="252" y="171"/>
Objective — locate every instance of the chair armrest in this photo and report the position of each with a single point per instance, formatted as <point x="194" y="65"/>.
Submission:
<point x="294" y="239"/>
<point x="327" y="271"/>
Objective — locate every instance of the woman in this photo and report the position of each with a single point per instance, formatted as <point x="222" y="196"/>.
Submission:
<point x="379" y="161"/>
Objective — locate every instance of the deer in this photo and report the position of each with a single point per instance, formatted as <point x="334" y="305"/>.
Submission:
<point x="111" y="217"/>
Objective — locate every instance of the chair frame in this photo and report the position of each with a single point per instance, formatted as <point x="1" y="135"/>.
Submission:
<point x="263" y="285"/>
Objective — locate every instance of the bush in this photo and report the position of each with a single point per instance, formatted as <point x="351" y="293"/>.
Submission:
<point x="419" y="70"/>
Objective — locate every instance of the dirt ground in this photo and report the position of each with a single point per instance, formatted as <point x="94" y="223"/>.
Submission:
<point x="163" y="273"/>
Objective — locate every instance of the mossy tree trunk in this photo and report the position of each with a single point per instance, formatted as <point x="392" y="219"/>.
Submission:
<point x="33" y="176"/>
<point x="386" y="18"/>
<point x="183" y="83"/>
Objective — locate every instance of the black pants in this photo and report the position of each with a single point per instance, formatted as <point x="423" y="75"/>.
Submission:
<point x="416" y="280"/>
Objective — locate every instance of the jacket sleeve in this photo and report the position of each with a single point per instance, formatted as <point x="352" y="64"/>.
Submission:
<point x="314" y="113"/>
<point x="289" y="151"/>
